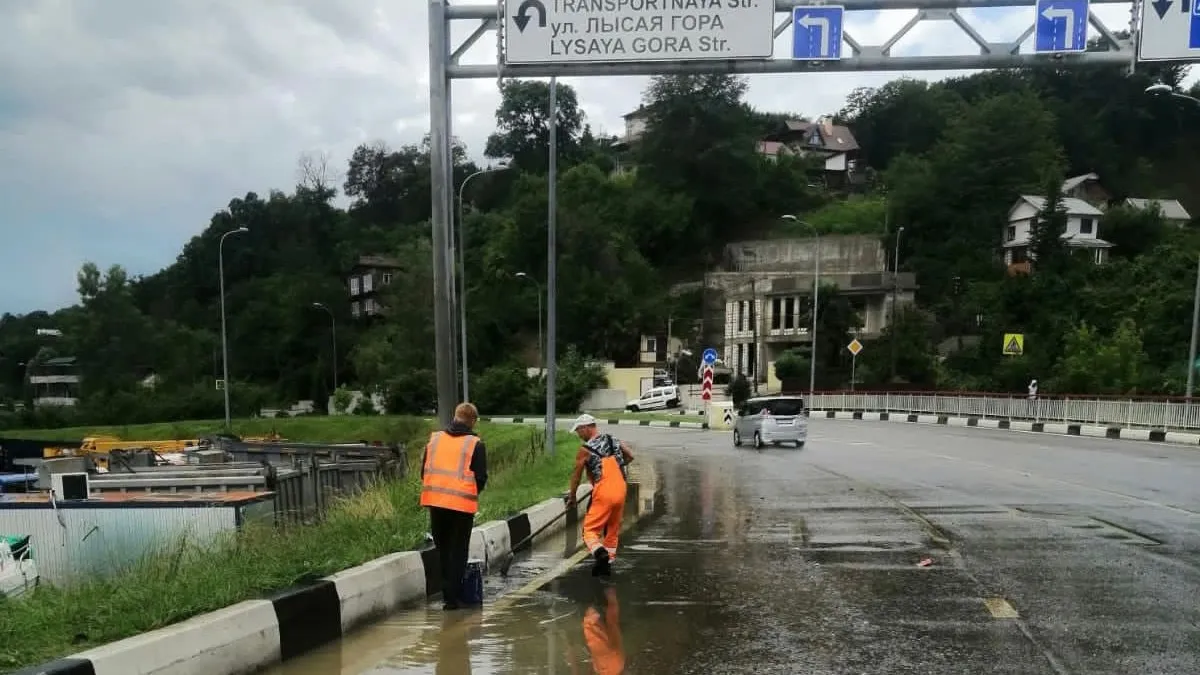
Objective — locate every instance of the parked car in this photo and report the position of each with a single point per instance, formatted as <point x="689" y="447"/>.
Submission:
<point x="656" y="398"/>
<point x="771" y="419"/>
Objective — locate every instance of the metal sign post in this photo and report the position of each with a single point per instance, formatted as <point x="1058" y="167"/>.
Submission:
<point x="574" y="38"/>
<point x="854" y="348"/>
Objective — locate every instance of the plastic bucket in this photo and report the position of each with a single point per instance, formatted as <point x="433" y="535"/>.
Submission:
<point x="472" y="583"/>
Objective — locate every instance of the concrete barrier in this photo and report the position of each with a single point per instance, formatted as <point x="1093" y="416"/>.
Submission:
<point x="252" y="635"/>
<point x="538" y="421"/>
<point x="1058" y="428"/>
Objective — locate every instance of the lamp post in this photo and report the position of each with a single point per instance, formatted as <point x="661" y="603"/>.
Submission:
<point x="541" y="353"/>
<point x="895" y="297"/>
<point x="1191" y="366"/>
<point x="224" y="332"/>
<point x="333" y="334"/>
<point x="812" y="358"/>
<point x="462" y="277"/>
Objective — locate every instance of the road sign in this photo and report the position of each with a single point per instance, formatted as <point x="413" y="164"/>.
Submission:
<point x="1014" y="344"/>
<point x="1170" y="30"/>
<point x="1060" y="26"/>
<point x="710" y="356"/>
<point x="855" y="346"/>
<point x="587" y="31"/>
<point x="817" y="32"/>
<point x="706" y="382"/>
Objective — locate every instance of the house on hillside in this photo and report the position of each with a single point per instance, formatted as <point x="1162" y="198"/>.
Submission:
<point x="833" y="143"/>
<point x="767" y="287"/>
<point x="367" y="279"/>
<point x="1083" y="224"/>
<point x="1172" y="211"/>
<point x="1087" y="188"/>
<point x="55" y="382"/>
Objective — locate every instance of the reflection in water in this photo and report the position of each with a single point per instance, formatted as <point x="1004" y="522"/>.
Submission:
<point x="602" y="633"/>
<point x="453" y="648"/>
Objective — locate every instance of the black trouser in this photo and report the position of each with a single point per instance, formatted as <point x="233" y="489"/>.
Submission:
<point x="452" y="536"/>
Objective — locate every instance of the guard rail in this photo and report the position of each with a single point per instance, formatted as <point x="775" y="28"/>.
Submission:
<point x="1113" y="412"/>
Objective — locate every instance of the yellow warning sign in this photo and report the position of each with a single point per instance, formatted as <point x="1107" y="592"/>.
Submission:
<point x="1014" y="344"/>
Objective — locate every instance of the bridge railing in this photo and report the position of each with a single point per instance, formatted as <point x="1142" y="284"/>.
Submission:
<point x="1128" y="412"/>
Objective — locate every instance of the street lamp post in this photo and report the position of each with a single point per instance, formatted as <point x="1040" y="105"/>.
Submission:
<point x="333" y="334"/>
<point x="812" y="358"/>
<point x="224" y="332"/>
<point x="462" y="277"/>
<point x="895" y="297"/>
<point x="1191" y="366"/>
<point x="541" y="353"/>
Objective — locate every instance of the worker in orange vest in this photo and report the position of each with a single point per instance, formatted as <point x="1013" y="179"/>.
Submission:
<point x="453" y="473"/>
<point x="605" y="459"/>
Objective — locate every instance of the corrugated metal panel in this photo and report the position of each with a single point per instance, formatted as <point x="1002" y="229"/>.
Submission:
<point x="96" y="541"/>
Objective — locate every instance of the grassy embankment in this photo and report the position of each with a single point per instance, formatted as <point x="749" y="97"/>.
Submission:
<point x="183" y="580"/>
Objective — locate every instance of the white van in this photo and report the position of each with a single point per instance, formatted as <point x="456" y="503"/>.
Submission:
<point x="657" y="398"/>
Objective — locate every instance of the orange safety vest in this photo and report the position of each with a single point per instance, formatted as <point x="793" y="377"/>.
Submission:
<point x="449" y="482"/>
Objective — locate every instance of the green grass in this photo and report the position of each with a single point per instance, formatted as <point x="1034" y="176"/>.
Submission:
<point x="182" y="580"/>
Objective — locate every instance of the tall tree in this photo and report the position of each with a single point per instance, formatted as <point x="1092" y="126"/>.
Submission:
<point x="523" y="125"/>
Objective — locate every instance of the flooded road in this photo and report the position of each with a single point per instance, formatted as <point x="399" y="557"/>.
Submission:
<point x="879" y="548"/>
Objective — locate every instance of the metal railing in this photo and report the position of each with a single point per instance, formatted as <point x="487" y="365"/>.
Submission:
<point x="1129" y="412"/>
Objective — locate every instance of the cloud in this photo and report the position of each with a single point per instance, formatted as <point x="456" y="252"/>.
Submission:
<point x="125" y="124"/>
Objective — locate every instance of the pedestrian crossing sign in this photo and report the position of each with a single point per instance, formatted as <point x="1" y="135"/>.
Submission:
<point x="1014" y="344"/>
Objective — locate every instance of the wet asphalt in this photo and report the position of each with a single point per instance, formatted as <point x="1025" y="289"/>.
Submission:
<point x="878" y="548"/>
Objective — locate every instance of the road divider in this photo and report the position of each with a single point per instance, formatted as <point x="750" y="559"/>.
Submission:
<point x="1060" y="428"/>
<point x="255" y="634"/>
<point x="539" y="421"/>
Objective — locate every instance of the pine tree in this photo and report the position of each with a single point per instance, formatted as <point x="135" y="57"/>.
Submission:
<point x="1048" y="250"/>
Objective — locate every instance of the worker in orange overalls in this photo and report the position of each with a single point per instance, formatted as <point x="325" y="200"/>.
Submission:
<point x="453" y="473"/>
<point x="604" y="458"/>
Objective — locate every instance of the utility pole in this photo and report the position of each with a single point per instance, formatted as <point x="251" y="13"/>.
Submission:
<point x="552" y="269"/>
<point x="895" y="298"/>
<point x="1191" y="378"/>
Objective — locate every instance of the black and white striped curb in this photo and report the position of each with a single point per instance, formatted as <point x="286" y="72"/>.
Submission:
<point x="252" y="635"/>
<point x="1063" y="428"/>
<point x="620" y="422"/>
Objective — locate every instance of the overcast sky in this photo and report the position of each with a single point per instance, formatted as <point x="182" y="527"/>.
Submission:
<point x="124" y="124"/>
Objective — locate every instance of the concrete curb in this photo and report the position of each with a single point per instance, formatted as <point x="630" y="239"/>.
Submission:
<point x="626" y="423"/>
<point x="1061" y="428"/>
<point x="252" y="635"/>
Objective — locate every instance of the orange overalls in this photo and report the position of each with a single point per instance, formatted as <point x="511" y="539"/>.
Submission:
<point x="606" y="471"/>
<point x="603" y="636"/>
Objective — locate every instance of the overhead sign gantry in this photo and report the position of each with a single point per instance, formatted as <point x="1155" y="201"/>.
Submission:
<point x="580" y="38"/>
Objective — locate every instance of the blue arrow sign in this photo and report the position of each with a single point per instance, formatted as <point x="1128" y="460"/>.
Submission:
<point x="817" y="32"/>
<point x="710" y="356"/>
<point x="1061" y="26"/>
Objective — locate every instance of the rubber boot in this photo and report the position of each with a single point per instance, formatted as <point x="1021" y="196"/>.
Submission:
<point x="602" y="566"/>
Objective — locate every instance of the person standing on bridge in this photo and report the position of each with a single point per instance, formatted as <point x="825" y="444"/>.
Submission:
<point x="453" y="474"/>
<point x="605" y="459"/>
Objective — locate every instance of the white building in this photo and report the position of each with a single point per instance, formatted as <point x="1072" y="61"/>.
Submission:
<point x="1083" y="226"/>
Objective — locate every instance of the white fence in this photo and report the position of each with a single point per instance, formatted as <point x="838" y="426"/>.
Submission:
<point x="1129" y="413"/>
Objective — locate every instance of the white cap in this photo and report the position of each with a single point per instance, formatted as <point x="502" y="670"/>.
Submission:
<point x="582" y="421"/>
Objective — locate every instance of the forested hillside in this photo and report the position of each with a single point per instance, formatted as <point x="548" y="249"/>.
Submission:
<point x="948" y="160"/>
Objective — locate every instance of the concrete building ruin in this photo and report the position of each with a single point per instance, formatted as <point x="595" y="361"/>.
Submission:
<point x="766" y="290"/>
